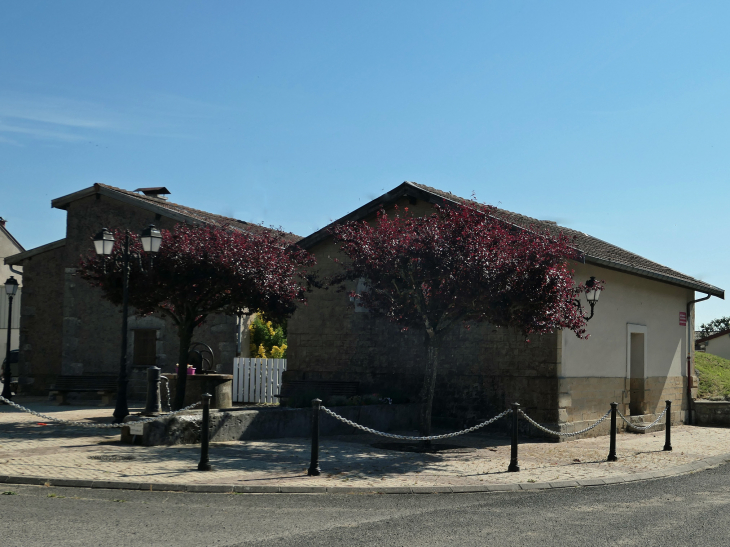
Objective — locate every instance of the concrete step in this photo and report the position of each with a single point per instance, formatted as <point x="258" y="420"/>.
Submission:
<point x="642" y="421"/>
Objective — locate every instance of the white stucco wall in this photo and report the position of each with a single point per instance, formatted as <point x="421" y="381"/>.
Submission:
<point x="719" y="346"/>
<point x="628" y="299"/>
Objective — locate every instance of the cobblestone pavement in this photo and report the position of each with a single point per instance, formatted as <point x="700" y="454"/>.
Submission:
<point x="30" y="449"/>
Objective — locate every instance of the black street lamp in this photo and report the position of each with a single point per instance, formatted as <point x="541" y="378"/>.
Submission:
<point x="11" y="288"/>
<point x="103" y="245"/>
<point x="592" y="294"/>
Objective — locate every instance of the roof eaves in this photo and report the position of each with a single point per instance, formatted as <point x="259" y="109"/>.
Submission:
<point x="699" y="287"/>
<point x="16" y="259"/>
<point x="64" y="201"/>
<point x="713" y="335"/>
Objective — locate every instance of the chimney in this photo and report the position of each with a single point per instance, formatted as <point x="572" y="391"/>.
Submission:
<point x="158" y="192"/>
<point x="2" y="222"/>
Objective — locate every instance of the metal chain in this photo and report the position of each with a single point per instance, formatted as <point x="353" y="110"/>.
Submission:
<point x="407" y="438"/>
<point x="557" y="433"/>
<point x="167" y="387"/>
<point x="92" y="425"/>
<point x="642" y="428"/>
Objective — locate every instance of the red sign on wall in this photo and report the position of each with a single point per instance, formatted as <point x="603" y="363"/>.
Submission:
<point x="682" y="319"/>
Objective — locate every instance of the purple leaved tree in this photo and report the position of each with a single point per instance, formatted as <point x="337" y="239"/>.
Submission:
<point x="461" y="264"/>
<point x="202" y="270"/>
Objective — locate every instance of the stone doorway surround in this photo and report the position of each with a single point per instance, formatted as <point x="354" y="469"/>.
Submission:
<point x="636" y="359"/>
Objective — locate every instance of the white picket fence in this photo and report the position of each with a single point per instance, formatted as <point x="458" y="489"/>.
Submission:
<point x="257" y="380"/>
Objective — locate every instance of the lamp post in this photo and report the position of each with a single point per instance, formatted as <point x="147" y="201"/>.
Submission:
<point x="11" y="288"/>
<point x="103" y="245"/>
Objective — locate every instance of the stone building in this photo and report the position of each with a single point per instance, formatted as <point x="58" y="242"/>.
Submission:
<point x="637" y="354"/>
<point x="9" y="246"/>
<point x="67" y="328"/>
<point x="717" y="343"/>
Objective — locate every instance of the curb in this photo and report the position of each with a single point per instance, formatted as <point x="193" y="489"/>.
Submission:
<point x="698" y="465"/>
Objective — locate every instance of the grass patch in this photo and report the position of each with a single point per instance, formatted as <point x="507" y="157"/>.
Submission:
<point x="714" y="375"/>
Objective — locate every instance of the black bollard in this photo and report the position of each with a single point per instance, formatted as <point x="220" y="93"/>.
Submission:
<point x="513" y="463"/>
<point x="668" y="428"/>
<point x="314" y="470"/>
<point x="153" y="407"/>
<point x="204" y="464"/>
<point x="612" y="448"/>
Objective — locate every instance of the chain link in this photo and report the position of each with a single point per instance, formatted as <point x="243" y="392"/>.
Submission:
<point x="407" y="438"/>
<point x="559" y="434"/>
<point x="167" y="387"/>
<point x="642" y="428"/>
<point x="92" y="425"/>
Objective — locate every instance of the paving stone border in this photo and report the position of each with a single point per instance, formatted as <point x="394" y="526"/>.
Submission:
<point x="698" y="465"/>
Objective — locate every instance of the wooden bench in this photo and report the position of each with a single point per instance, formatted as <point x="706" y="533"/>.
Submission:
<point x="317" y="388"/>
<point x="106" y="386"/>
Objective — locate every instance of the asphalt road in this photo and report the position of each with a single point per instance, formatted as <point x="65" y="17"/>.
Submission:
<point x="688" y="510"/>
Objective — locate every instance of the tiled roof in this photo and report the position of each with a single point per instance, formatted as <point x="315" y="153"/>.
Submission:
<point x="175" y="208"/>
<point x="596" y="250"/>
<point x="20" y="257"/>
<point x="592" y="246"/>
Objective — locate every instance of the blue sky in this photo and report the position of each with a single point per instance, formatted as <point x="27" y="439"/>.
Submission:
<point x="609" y="118"/>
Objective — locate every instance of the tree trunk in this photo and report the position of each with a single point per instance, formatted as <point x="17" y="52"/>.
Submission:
<point x="428" y="388"/>
<point x="185" y="332"/>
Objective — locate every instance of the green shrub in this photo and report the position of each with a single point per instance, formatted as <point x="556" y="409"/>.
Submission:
<point x="714" y="376"/>
<point x="267" y="339"/>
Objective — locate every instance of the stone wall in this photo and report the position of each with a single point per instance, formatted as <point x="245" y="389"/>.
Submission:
<point x="270" y="423"/>
<point x="41" y="321"/>
<point x="481" y="371"/>
<point x="712" y="413"/>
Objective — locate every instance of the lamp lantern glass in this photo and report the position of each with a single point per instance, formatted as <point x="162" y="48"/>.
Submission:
<point x="151" y="239"/>
<point x="11" y="286"/>
<point x="104" y="242"/>
<point x="592" y="293"/>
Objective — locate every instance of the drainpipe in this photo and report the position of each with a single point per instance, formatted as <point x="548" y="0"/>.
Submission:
<point x="238" y="333"/>
<point x="690" y="343"/>
<point x="17" y="272"/>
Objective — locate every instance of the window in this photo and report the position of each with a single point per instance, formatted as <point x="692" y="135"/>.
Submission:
<point x="145" y="347"/>
<point x="361" y="288"/>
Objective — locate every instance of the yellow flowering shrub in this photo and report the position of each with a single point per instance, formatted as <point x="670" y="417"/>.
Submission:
<point x="278" y="352"/>
<point x="267" y="340"/>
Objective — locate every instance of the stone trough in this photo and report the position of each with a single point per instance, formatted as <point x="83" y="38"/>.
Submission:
<point x="266" y="423"/>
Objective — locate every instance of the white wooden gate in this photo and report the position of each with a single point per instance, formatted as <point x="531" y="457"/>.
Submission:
<point x="257" y="380"/>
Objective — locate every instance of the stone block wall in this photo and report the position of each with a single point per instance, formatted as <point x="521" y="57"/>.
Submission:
<point x="481" y="370"/>
<point x="584" y="400"/>
<point x="587" y="399"/>
<point x="659" y="389"/>
<point x="41" y="321"/>
<point x="712" y="413"/>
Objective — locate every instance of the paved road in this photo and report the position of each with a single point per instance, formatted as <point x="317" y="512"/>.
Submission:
<point x="687" y="510"/>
